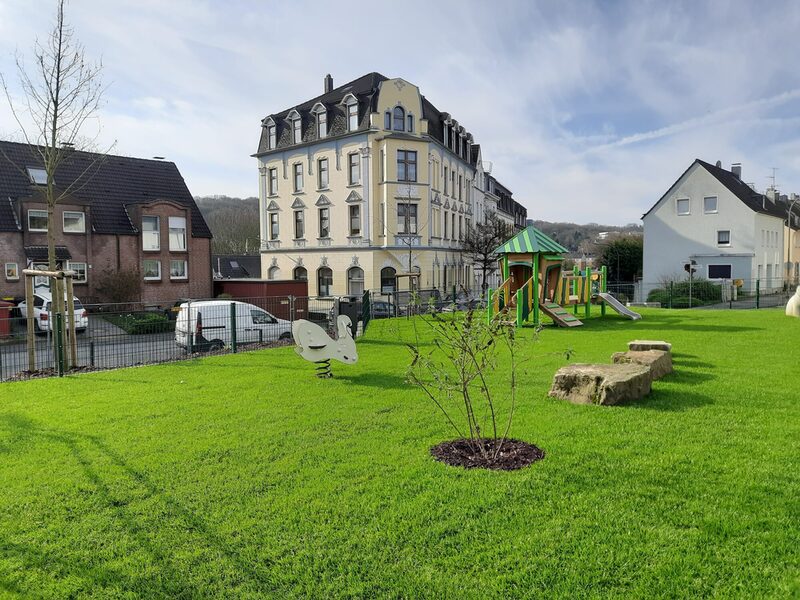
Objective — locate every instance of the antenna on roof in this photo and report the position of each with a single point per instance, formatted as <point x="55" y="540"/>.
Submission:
<point x="158" y="158"/>
<point x="772" y="177"/>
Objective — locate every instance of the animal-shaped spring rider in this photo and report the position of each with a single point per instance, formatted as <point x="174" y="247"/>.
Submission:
<point x="314" y="344"/>
<point x="793" y="306"/>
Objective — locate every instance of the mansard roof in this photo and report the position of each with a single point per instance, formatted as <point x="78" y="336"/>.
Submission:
<point x="106" y="183"/>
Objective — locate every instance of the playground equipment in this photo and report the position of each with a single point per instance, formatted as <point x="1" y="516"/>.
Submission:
<point x="534" y="283"/>
<point x="314" y="344"/>
<point x="793" y="305"/>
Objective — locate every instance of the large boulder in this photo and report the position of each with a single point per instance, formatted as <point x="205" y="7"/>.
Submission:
<point x="644" y="345"/>
<point x="601" y="384"/>
<point x="658" y="361"/>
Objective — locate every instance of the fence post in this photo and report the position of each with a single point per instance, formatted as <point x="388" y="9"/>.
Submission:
<point x="758" y="293"/>
<point x="91" y="353"/>
<point x="669" y="296"/>
<point x="189" y="333"/>
<point x="233" y="327"/>
<point x="291" y="309"/>
<point x="59" y="333"/>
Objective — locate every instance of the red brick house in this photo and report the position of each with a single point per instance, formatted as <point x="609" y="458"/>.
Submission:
<point x="119" y="214"/>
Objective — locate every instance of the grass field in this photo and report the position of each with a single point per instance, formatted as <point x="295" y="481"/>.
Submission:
<point x="244" y="476"/>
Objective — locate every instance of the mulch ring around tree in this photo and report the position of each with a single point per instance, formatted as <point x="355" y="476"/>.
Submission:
<point x="480" y="454"/>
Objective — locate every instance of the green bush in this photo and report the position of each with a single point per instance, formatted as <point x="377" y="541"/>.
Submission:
<point x="141" y="322"/>
<point x="703" y="292"/>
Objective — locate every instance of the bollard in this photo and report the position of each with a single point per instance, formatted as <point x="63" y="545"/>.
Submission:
<point x="91" y="353"/>
<point x="59" y="337"/>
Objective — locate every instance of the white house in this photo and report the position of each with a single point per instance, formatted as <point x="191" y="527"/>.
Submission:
<point x="709" y="215"/>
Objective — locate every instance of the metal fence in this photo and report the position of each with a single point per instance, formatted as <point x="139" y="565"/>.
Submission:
<point x="133" y="333"/>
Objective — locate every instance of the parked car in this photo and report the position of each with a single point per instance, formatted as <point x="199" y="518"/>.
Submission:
<point x="381" y="310"/>
<point x="42" y="312"/>
<point x="206" y="325"/>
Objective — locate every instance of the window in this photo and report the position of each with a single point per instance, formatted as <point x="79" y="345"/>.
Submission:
<point x="460" y="228"/>
<point x="407" y="218"/>
<point x="406" y="165"/>
<point x="299" y="225"/>
<point x="724" y="237"/>
<point x="453" y="228"/>
<point x="37" y="220"/>
<point x="322" y="124"/>
<point x="177" y="234"/>
<point x="683" y="206"/>
<point x="445" y="132"/>
<point x="297" y="130"/>
<point x="38" y="176"/>
<point x="261" y="317"/>
<point x="445" y="181"/>
<point x="298" y="177"/>
<point x="354" y="168"/>
<point x="324" y="281"/>
<point x="355" y="281"/>
<point x="445" y="225"/>
<point x="272" y="136"/>
<point x="355" y="219"/>
<point x="383" y="159"/>
<point x="74" y="222"/>
<point x="273" y="226"/>
<point x="460" y="184"/>
<point x="719" y="271"/>
<point x="177" y="269"/>
<point x="151" y="233"/>
<point x="152" y="270"/>
<point x="398" y="118"/>
<point x="300" y="274"/>
<point x="410" y="123"/>
<point x="80" y="271"/>
<point x="710" y="204"/>
<point x="352" y="116"/>
<point x="274" y="272"/>
<point x="453" y="184"/>
<point x="437" y="217"/>
<point x="322" y="173"/>
<point x="387" y="280"/>
<point x="12" y="271"/>
<point x="273" y="181"/>
<point x="324" y="222"/>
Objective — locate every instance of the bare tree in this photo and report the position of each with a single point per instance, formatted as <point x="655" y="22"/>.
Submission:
<point x="481" y="241"/>
<point x="61" y="92"/>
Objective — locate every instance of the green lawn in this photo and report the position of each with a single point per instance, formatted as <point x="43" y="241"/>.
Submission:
<point x="244" y="476"/>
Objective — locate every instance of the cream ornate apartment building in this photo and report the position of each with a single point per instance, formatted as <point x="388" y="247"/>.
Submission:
<point x="368" y="181"/>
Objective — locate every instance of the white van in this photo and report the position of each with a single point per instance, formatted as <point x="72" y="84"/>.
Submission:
<point x="207" y="325"/>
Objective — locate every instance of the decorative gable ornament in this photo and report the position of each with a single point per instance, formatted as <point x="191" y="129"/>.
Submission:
<point x="273" y="205"/>
<point x="323" y="200"/>
<point x="447" y="203"/>
<point x="298" y="203"/>
<point x="354" y="197"/>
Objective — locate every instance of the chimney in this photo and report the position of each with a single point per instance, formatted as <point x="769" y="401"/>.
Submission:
<point x="328" y="83"/>
<point x="736" y="169"/>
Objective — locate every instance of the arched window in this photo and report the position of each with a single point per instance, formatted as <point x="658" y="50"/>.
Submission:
<point x="399" y="118"/>
<point x="300" y="274"/>
<point x="355" y="281"/>
<point x="388" y="280"/>
<point x="324" y="281"/>
<point x="387" y="120"/>
<point x="274" y="273"/>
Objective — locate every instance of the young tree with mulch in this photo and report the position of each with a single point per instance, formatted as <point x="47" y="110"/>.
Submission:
<point x="461" y="375"/>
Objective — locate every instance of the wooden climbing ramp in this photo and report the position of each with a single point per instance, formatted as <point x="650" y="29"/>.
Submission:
<point x="559" y="314"/>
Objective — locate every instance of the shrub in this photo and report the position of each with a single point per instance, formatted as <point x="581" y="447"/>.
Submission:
<point x="141" y="322"/>
<point x="702" y="292"/>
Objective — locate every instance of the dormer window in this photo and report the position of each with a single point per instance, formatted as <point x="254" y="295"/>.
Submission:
<point x="322" y="121"/>
<point x="410" y="123"/>
<point x="38" y="176"/>
<point x="351" y="109"/>
<point x="272" y="136"/>
<point x="399" y="117"/>
<point x="446" y="132"/>
<point x="297" y="130"/>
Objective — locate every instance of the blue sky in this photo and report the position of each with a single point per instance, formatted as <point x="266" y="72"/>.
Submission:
<point x="587" y="110"/>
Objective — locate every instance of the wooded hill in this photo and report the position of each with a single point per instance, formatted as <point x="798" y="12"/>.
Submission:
<point x="233" y="221"/>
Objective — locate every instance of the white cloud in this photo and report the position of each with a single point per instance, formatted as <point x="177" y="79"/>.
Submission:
<point x="588" y="111"/>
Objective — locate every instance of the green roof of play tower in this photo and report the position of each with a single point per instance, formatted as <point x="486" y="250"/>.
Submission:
<point x="531" y="240"/>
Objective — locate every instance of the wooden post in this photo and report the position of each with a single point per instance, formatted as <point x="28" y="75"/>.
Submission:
<point x="73" y="334"/>
<point x="535" y="290"/>
<point x="29" y="314"/>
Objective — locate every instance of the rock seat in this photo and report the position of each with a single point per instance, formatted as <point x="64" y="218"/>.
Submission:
<point x="658" y="361"/>
<point x="644" y="345"/>
<point x="601" y="384"/>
